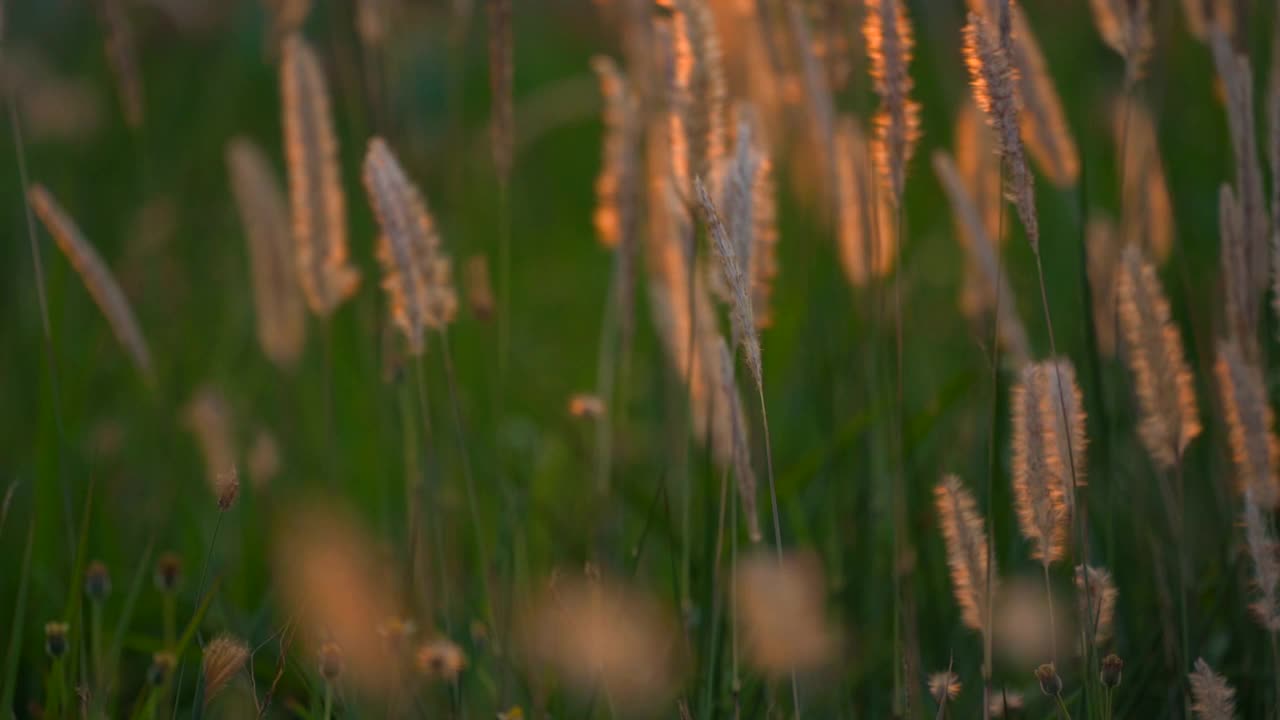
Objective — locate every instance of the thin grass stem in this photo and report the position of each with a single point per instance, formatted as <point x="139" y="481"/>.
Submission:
<point x="473" y="505"/>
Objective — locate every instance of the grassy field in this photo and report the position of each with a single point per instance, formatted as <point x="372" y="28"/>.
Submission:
<point x="459" y="492"/>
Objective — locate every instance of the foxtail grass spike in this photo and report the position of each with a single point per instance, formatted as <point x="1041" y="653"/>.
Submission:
<point x="1039" y="472"/>
<point x="865" y="222"/>
<point x="95" y="275"/>
<point x="317" y="202"/>
<point x="987" y="54"/>
<point x="1250" y="425"/>
<point x="1125" y="25"/>
<point x="1096" y="593"/>
<point x="1145" y="199"/>
<point x="983" y="261"/>
<point x="617" y="185"/>
<point x="890" y="40"/>
<point x="1255" y="232"/>
<point x="281" y="312"/>
<point x="751" y="208"/>
<point x="417" y="275"/>
<point x="501" y="80"/>
<point x="1215" y="699"/>
<point x="122" y="56"/>
<point x="1153" y="348"/>
<point x="967" y="552"/>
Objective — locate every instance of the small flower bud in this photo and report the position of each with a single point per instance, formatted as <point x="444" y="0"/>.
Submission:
<point x="97" y="581"/>
<point x="55" y="639"/>
<point x="1050" y="683"/>
<point x="228" y="490"/>
<point x="168" y="572"/>
<point x="1112" y="668"/>
<point x="441" y="659"/>
<point x="162" y="664"/>
<point x="330" y="661"/>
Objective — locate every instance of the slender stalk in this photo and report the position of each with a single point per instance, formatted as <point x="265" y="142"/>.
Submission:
<point x="716" y="601"/>
<point x="504" y="270"/>
<point x="777" y="520"/>
<point x="1062" y="707"/>
<point x="1275" y="669"/>
<point x="736" y="682"/>
<point x="1082" y="538"/>
<point x="605" y="369"/>
<point x="330" y="422"/>
<point x="42" y="296"/>
<point x="1183" y="626"/>
<point x="412" y="490"/>
<point x="1053" y="626"/>
<point x="900" y="460"/>
<point x="991" y="458"/>
<point x="328" y="700"/>
<point x="169" y="609"/>
<point x="473" y="505"/>
<point x="95" y="643"/>
<point x="204" y="576"/>
<point x="62" y="702"/>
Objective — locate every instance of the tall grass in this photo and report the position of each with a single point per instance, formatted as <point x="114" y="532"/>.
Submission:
<point x="587" y="536"/>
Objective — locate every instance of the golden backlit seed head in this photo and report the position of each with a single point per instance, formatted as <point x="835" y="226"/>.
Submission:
<point x="441" y="659"/>
<point x="967" y="550"/>
<point x="1153" y="347"/>
<point x="224" y="657"/>
<point x="944" y="686"/>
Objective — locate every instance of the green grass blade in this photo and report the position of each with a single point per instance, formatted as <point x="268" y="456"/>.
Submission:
<point x="19" y="617"/>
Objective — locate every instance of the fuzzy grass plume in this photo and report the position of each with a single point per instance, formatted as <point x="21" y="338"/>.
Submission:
<point x="1067" y="418"/>
<point x="751" y="206"/>
<point x="208" y="417"/>
<point x="686" y="324"/>
<point x="1250" y="425"/>
<point x="865" y="221"/>
<point x="743" y="320"/>
<point x="1039" y="471"/>
<point x="1264" y="553"/>
<point x="1102" y="251"/>
<point x="1153" y="347"/>
<point x="280" y="309"/>
<point x="224" y="657"/>
<point x="617" y="191"/>
<point x="987" y="55"/>
<point x="318" y="204"/>
<point x="95" y="275"/>
<point x="782" y="613"/>
<point x="122" y="56"/>
<point x="416" y="273"/>
<point x="967" y="552"/>
<point x="1205" y="15"/>
<point x="1125" y="25"/>
<point x="697" y="95"/>
<point x="1043" y="121"/>
<point x="1148" y="207"/>
<point x="1096" y="594"/>
<point x="889" y="39"/>
<point x="501" y="80"/>
<point x="1255" y="232"/>
<point x="986" y="275"/>
<point x="1214" y="698"/>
